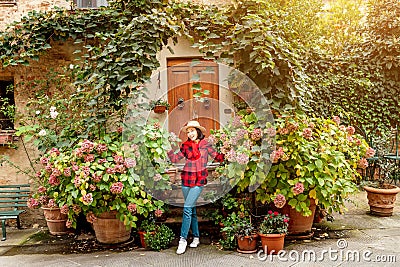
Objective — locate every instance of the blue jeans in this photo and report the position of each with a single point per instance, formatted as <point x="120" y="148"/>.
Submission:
<point x="189" y="220"/>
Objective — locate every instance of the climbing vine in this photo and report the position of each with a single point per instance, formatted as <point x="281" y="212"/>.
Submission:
<point x="289" y="53"/>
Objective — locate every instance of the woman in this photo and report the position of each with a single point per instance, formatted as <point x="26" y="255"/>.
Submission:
<point x="194" y="176"/>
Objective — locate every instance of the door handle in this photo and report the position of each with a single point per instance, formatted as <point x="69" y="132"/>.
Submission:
<point x="181" y="103"/>
<point x="207" y="103"/>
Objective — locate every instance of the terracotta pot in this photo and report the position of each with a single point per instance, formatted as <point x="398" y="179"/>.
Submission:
<point x="381" y="200"/>
<point x="109" y="229"/>
<point x="159" y="109"/>
<point x="247" y="244"/>
<point x="272" y="243"/>
<point x="56" y="221"/>
<point x="142" y="239"/>
<point x="298" y="223"/>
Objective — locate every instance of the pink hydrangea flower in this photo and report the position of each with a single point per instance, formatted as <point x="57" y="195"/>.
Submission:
<point x="87" y="146"/>
<point x="101" y="148"/>
<point x="279" y="201"/>
<point x="116" y="188"/>
<point x="242" y="158"/>
<point x="64" y="209"/>
<point x="158" y="213"/>
<point x="44" y="160"/>
<point x="79" y="152"/>
<point x="52" y="204"/>
<point x="90" y="217"/>
<point x="42" y="189"/>
<point x="87" y="199"/>
<point x="32" y="203"/>
<point x="68" y="223"/>
<point x="67" y="172"/>
<point x="54" y="152"/>
<point x="53" y="180"/>
<point x="130" y="163"/>
<point x="350" y="130"/>
<point x="56" y="172"/>
<point x="101" y="161"/>
<point x="298" y="188"/>
<point x="118" y="159"/>
<point x="132" y="207"/>
<point x="89" y="158"/>
<point x="307" y="133"/>
<point x="256" y="134"/>
<point x="271" y="132"/>
<point x="96" y="178"/>
<point x="110" y="170"/>
<point x="276" y="155"/>
<point x="336" y="119"/>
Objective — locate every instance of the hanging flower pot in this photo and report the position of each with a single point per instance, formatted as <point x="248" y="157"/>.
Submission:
<point x="109" y="229"/>
<point x="159" y="109"/>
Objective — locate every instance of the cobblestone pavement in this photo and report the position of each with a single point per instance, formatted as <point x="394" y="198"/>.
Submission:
<point x="361" y="240"/>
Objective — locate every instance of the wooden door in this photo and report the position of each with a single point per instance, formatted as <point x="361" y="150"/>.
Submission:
<point x="182" y="75"/>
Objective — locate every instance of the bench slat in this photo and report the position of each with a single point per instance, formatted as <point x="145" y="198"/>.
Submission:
<point x="14" y="185"/>
<point x="14" y="196"/>
<point x="3" y="191"/>
<point x="11" y="212"/>
<point x="13" y="205"/>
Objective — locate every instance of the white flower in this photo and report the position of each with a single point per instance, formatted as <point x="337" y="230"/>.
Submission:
<point x="37" y="112"/>
<point x="52" y="108"/>
<point x="53" y="114"/>
<point x="71" y="66"/>
<point x="42" y="132"/>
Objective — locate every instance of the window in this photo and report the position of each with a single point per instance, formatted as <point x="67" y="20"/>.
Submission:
<point x="90" y="3"/>
<point x="7" y="105"/>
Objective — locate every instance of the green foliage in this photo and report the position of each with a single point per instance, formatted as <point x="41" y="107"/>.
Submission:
<point x="160" y="239"/>
<point x="274" y="223"/>
<point x="314" y="158"/>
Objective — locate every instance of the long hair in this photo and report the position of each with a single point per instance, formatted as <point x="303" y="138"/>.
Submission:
<point x="200" y="134"/>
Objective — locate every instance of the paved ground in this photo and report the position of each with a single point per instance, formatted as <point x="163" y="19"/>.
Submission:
<point x="357" y="239"/>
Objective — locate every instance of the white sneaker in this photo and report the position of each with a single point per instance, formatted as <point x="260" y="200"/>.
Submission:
<point x="195" y="242"/>
<point x="181" y="247"/>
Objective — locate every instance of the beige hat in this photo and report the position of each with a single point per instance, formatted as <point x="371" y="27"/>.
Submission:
<point x="194" y="124"/>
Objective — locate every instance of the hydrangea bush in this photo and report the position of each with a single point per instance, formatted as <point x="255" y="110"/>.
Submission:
<point x="314" y="158"/>
<point x="94" y="177"/>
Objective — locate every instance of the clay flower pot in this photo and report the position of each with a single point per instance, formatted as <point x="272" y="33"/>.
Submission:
<point x="272" y="243"/>
<point x="381" y="200"/>
<point x="247" y="244"/>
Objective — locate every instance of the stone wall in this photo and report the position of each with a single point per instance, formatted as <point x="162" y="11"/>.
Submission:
<point x="10" y="11"/>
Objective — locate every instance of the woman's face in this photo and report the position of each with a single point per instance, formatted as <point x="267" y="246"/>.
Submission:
<point x="191" y="133"/>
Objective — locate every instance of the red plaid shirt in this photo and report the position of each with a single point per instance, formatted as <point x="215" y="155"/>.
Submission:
<point x="194" y="172"/>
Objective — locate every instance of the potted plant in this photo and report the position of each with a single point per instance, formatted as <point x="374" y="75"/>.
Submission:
<point x="315" y="161"/>
<point x="147" y="226"/>
<point x="381" y="192"/>
<point x="272" y="231"/>
<point x="160" y="239"/>
<point x="246" y="236"/>
<point x="159" y="106"/>
<point x="97" y="178"/>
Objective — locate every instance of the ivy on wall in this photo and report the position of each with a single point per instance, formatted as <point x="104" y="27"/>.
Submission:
<point x="290" y="54"/>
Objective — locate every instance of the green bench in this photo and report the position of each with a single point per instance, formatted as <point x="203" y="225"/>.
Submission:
<point x="12" y="198"/>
